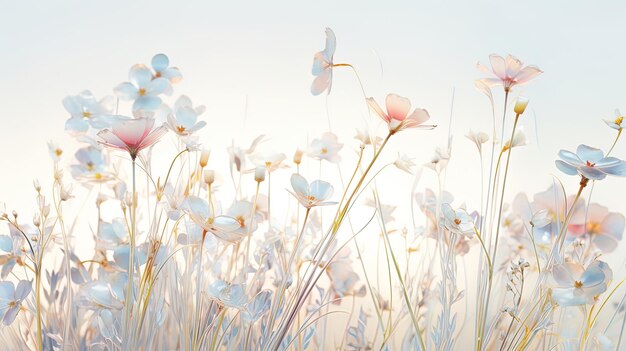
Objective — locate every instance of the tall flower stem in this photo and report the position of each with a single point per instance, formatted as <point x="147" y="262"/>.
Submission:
<point x="131" y="256"/>
<point x="38" y="305"/>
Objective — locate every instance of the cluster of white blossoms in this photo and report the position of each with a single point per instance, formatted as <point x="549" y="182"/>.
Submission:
<point x="193" y="255"/>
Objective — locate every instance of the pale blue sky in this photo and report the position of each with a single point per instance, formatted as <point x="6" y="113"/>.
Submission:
<point x="263" y="50"/>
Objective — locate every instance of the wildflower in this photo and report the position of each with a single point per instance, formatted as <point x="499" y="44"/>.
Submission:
<point x="132" y="135"/>
<point x="577" y="285"/>
<point x="617" y="122"/>
<point x="11" y="299"/>
<point x="241" y="211"/>
<point x="91" y="165"/>
<point x="590" y="163"/>
<point x="457" y="221"/>
<point x="519" y="139"/>
<point x="161" y="66"/>
<point x="520" y="105"/>
<point x="86" y="111"/>
<point x="326" y="148"/>
<point x="55" y="151"/>
<point x="297" y="156"/>
<point x="143" y="90"/>
<point x="204" y="158"/>
<point x="397" y="116"/>
<point x="605" y="229"/>
<point x="229" y="295"/>
<point x="404" y="163"/>
<point x="323" y="65"/>
<point x="223" y="227"/>
<point x="184" y="119"/>
<point x="112" y="234"/>
<point x="311" y="195"/>
<point x="508" y="72"/>
<point x="477" y="138"/>
<point x="271" y="161"/>
<point x="341" y="273"/>
<point x="366" y="138"/>
<point x="259" y="173"/>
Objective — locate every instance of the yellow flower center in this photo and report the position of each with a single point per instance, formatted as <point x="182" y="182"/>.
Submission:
<point x="142" y="92"/>
<point x="594" y="227"/>
<point x="241" y="220"/>
<point x="157" y="75"/>
<point x="324" y="151"/>
<point x="86" y="114"/>
<point x="619" y="120"/>
<point x="90" y="166"/>
<point x="457" y="221"/>
<point x="181" y="129"/>
<point x="58" y="152"/>
<point x="578" y="284"/>
<point x="98" y="176"/>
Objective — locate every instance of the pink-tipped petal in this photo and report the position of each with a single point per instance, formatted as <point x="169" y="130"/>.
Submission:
<point x="398" y="107"/>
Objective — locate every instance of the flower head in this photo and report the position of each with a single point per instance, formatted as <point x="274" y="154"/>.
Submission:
<point x="399" y="115"/>
<point x="590" y="163"/>
<point x="577" y="285"/>
<point x="132" y="135"/>
<point x="11" y="299"/>
<point x="326" y="148"/>
<point x="404" y="163"/>
<point x="144" y="89"/>
<point x="223" y="227"/>
<point x="184" y="119"/>
<point x="323" y="65"/>
<point x="617" y="122"/>
<point x="478" y="138"/>
<point x="311" y="195"/>
<point x="508" y="72"/>
<point x="161" y="66"/>
<point x="605" y="229"/>
<point x="91" y="165"/>
<point x="457" y="221"/>
<point x="86" y="111"/>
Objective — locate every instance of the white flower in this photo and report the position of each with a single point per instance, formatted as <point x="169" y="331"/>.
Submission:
<point x="519" y="139"/>
<point x="86" y="111"/>
<point x="242" y="211"/>
<point x="457" y="221"/>
<point x="576" y="285"/>
<point x="229" y="295"/>
<point x="404" y="163"/>
<point x="366" y="138"/>
<point x="184" y="119"/>
<point x="477" y="138"/>
<point x="143" y="90"/>
<point x="91" y="165"/>
<point x="326" y="148"/>
<point x="112" y="234"/>
<point x="590" y="163"/>
<point x="617" y="122"/>
<point x="323" y="65"/>
<point x="161" y="66"/>
<point x="312" y="195"/>
<point x="11" y="299"/>
<point x="271" y="161"/>
<point x="223" y="227"/>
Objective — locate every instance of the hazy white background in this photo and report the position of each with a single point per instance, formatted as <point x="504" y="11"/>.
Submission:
<point x="231" y="51"/>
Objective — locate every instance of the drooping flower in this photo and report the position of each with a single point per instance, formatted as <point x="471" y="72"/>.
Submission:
<point x="399" y="115"/>
<point x="161" y="66"/>
<point x="404" y="163"/>
<point x="366" y="138"/>
<point x="617" y="122"/>
<point x="605" y="229"/>
<point x="86" y="111"/>
<point x="478" y="138"/>
<point x="326" y="148"/>
<point x="590" y="163"/>
<point x="11" y="299"/>
<point x="91" y="165"/>
<point x="132" y="135"/>
<point x="519" y="139"/>
<point x="457" y="221"/>
<point x="323" y="65"/>
<point x="184" y="119"/>
<point x="508" y="72"/>
<point x="577" y="285"/>
<point x="144" y="90"/>
<point x="311" y="195"/>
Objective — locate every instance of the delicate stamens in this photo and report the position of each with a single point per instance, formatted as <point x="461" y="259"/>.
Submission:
<point x="578" y="284"/>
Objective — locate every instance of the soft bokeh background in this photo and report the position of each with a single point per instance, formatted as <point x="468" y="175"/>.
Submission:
<point x="249" y="62"/>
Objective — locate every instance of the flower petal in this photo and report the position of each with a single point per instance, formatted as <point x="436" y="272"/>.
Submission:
<point x="397" y="106"/>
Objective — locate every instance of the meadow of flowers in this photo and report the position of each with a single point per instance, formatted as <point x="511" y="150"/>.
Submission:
<point x="191" y="254"/>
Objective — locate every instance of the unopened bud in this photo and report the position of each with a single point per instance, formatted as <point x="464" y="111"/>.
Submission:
<point x="209" y="176"/>
<point x="520" y="105"/>
<point x="259" y="174"/>
<point x="14" y="214"/>
<point x="297" y="157"/>
<point x="36" y="220"/>
<point x="36" y="185"/>
<point x="204" y="158"/>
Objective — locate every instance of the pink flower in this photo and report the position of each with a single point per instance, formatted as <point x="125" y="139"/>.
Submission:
<point x="397" y="116"/>
<point x="132" y="135"/>
<point x="508" y="71"/>
<point x="605" y="229"/>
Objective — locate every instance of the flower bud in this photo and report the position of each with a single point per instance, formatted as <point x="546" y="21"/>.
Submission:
<point x="37" y="185"/>
<point x="520" y="105"/>
<point x="209" y="176"/>
<point x="297" y="157"/>
<point x="259" y="173"/>
<point x="204" y="158"/>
